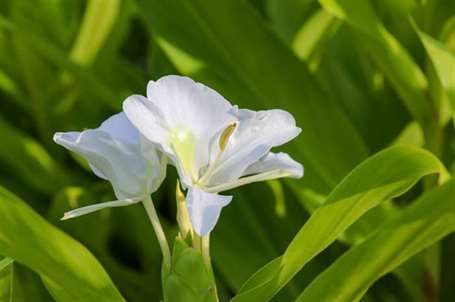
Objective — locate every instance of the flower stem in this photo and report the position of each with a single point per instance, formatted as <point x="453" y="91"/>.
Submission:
<point x="153" y="216"/>
<point x="202" y="244"/>
<point x="205" y="249"/>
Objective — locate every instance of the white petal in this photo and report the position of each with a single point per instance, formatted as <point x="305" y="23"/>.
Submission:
<point x="271" y="166"/>
<point x="119" y="127"/>
<point x="177" y="106"/>
<point x="185" y="102"/>
<point x="276" y="161"/>
<point x="134" y="169"/>
<point x="96" y="207"/>
<point x="256" y="133"/>
<point x="148" y="119"/>
<point x="204" y="209"/>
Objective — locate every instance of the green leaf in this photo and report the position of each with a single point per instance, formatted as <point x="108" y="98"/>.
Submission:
<point x="396" y="63"/>
<point x="18" y="284"/>
<point x="188" y="279"/>
<point x="287" y="16"/>
<point x="67" y="268"/>
<point x="426" y="221"/>
<point x="90" y="82"/>
<point x="97" y="23"/>
<point x="29" y="160"/>
<point x="444" y="63"/>
<point x="383" y="176"/>
<point x="312" y="36"/>
<point x="6" y="273"/>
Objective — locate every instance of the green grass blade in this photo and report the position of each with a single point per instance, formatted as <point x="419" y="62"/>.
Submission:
<point x="426" y="221"/>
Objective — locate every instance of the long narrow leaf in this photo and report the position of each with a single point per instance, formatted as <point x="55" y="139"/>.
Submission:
<point x="6" y="276"/>
<point x="385" y="175"/>
<point x="396" y="63"/>
<point x="426" y="221"/>
<point x="444" y="63"/>
<point x="68" y="269"/>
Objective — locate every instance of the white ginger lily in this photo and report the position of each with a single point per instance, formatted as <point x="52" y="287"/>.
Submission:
<point x="214" y="145"/>
<point x="118" y="153"/>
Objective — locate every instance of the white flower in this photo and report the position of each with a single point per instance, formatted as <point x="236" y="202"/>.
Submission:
<point x="214" y="145"/>
<point x="118" y="153"/>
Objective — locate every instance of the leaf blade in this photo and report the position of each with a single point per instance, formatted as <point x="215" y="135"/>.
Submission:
<point x="399" y="67"/>
<point x="70" y="272"/>
<point x="395" y="170"/>
<point x="429" y="219"/>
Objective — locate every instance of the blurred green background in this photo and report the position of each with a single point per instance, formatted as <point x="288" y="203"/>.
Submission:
<point x="356" y="76"/>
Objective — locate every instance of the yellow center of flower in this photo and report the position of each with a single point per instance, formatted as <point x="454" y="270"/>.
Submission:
<point x="183" y="143"/>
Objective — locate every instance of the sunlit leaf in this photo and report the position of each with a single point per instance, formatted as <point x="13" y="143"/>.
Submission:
<point x="6" y="279"/>
<point x="444" y="63"/>
<point x="399" y="67"/>
<point x="383" y="176"/>
<point x="188" y="280"/>
<point x="68" y="269"/>
<point x="96" y="25"/>
<point x="426" y="221"/>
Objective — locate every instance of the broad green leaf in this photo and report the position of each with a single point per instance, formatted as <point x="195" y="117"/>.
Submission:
<point x="426" y="221"/>
<point x="383" y="176"/>
<point x="235" y="59"/>
<point x="396" y="63"/>
<point x="444" y="63"/>
<point x="188" y="279"/>
<point x="68" y="269"/>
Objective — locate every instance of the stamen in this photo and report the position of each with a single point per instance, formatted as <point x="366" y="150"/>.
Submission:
<point x="274" y="174"/>
<point x="224" y="138"/>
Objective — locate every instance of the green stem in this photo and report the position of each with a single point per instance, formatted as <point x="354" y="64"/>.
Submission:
<point x="153" y="216"/>
<point x="433" y="143"/>
<point x="205" y="248"/>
